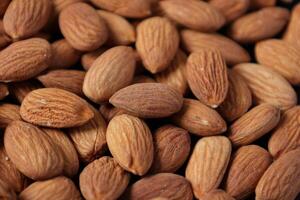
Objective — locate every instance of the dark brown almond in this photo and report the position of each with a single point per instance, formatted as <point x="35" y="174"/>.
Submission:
<point x="8" y="113"/>
<point x="3" y="6"/>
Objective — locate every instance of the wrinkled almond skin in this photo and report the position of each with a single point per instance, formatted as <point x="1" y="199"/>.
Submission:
<point x="108" y="111"/>
<point x="3" y="6"/>
<point x="57" y="108"/>
<point x="32" y="151"/>
<point x="6" y="192"/>
<point x="199" y="119"/>
<point x="88" y="58"/>
<point x="232" y="52"/>
<point x="59" y="188"/>
<point x="254" y="124"/>
<point x="148" y="100"/>
<point x="24" y="59"/>
<point x="3" y="91"/>
<point x="207" y="76"/>
<point x="110" y="72"/>
<point x="217" y="195"/>
<point x="8" y="113"/>
<point x="247" y="166"/>
<point x="130" y="142"/>
<point x="103" y="179"/>
<point x="193" y="14"/>
<point x="59" y="5"/>
<point x="23" y="19"/>
<point x="267" y="86"/>
<point x="82" y="27"/>
<point x="19" y="90"/>
<point x="157" y="43"/>
<point x="164" y="185"/>
<point x="293" y="29"/>
<point x="282" y="178"/>
<point x="206" y="174"/>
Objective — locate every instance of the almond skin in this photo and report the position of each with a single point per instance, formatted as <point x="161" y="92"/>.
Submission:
<point x="193" y="14"/>
<point x="254" y="124"/>
<point x="206" y="174"/>
<point x="148" y="100"/>
<point x="8" y="113"/>
<point x="247" y="166"/>
<point x="108" y="111"/>
<point x="82" y="27"/>
<point x="6" y="192"/>
<point x="57" y="108"/>
<point x="3" y="91"/>
<point x="157" y="43"/>
<point x="42" y="160"/>
<point x="293" y="30"/>
<point x="124" y="135"/>
<point x="282" y="178"/>
<point x="103" y="179"/>
<point x="267" y="86"/>
<point x="207" y="77"/>
<point x="19" y="90"/>
<point x="143" y="79"/>
<point x="199" y="119"/>
<point x="24" y="59"/>
<point x="217" y="195"/>
<point x="23" y="19"/>
<point x="59" y="5"/>
<point x="110" y="72"/>
<point x="257" y="4"/>
<point x="88" y="58"/>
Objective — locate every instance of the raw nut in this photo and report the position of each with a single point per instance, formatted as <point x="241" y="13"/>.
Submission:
<point x="217" y="195"/>
<point x="8" y="113"/>
<point x="59" y="5"/>
<point x="58" y="188"/>
<point x="42" y="160"/>
<point x="3" y="91"/>
<point x="143" y="79"/>
<point x="208" y="163"/>
<point x="57" y="108"/>
<point x="267" y="86"/>
<point x="4" y="40"/>
<point x="88" y="58"/>
<point x="259" y="25"/>
<point x="293" y="29"/>
<point x="280" y="56"/>
<point x="171" y="149"/>
<point x="121" y="32"/>
<point x="247" y="166"/>
<point x="254" y="124"/>
<point x="199" y="119"/>
<point x="238" y="99"/>
<point x="157" y="43"/>
<point x="207" y="76"/>
<point x="257" y="4"/>
<point x="232" y="52"/>
<point x="24" y="59"/>
<point x="108" y="111"/>
<point x="110" y="72"/>
<point x="23" y="19"/>
<point x="90" y="138"/>
<point x="82" y="27"/>
<point x="164" y="185"/>
<point x="282" y="178"/>
<point x="3" y="6"/>
<point x="193" y="14"/>
<point x="286" y="136"/>
<point x="6" y="192"/>
<point x="103" y="179"/>
<point x="148" y="100"/>
<point x="69" y="80"/>
<point x="19" y="90"/>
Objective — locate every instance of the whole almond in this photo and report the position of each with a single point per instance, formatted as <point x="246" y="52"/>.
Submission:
<point x="293" y="29"/>
<point x="247" y="166"/>
<point x="88" y="58"/>
<point x="82" y="27"/>
<point x="157" y="43"/>
<point x="193" y="14"/>
<point x="148" y="100"/>
<point x="208" y="163"/>
<point x="110" y="72"/>
<point x="24" y="59"/>
<point x="52" y="107"/>
<point x="199" y="119"/>
<point x="23" y="19"/>
<point x="217" y="195"/>
<point x="3" y="91"/>
<point x="103" y="179"/>
<point x="267" y="86"/>
<point x="19" y="90"/>
<point x="3" y="6"/>
<point x="6" y="192"/>
<point x="8" y="113"/>
<point x="109" y="111"/>
<point x="207" y="76"/>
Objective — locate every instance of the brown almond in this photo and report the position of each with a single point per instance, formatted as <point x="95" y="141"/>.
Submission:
<point x="257" y="4"/>
<point x="148" y="100"/>
<point x="3" y="91"/>
<point x="293" y="29"/>
<point x="19" y="90"/>
<point x="59" y="5"/>
<point x="109" y="111"/>
<point x="88" y="58"/>
<point x="157" y="43"/>
<point x="143" y="79"/>
<point x="8" y="113"/>
<point x="3" y="6"/>
<point x="6" y="192"/>
<point x="217" y="195"/>
<point x="57" y="108"/>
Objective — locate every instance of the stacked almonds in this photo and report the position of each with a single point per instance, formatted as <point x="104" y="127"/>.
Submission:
<point x="149" y="100"/>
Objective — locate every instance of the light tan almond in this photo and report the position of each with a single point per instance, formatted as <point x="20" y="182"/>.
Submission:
<point x="208" y="163"/>
<point x="19" y="90"/>
<point x="157" y="43"/>
<point x="257" y="4"/>
<point x="103" y="179"/>
<point x="57" y="108"/>
<point x="8" y="113"/>
<point x="108" y="111"/>
<point x="59" y="5"/>
<point x="3" y="91"/>
<point x="88" y="58"/>
<point x="6" y="192"/>
<point x="217" y="195"/>
<point x="267" y="86"/>
<point x="142" y="79"/>
<point x="3" y="6"/>
<point x="293" y="30"/>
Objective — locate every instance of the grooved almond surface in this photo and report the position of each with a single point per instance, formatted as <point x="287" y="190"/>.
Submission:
<point x="52" y="107"/>
<point x="8" y="113"/>
<point x="59" y="5"/>
<point x="88" y="58"/>
<point x="293" y="29"/>
<point x="217" y="195"/>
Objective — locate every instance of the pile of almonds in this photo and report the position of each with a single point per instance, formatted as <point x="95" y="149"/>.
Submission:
<point x="149" y="99"/>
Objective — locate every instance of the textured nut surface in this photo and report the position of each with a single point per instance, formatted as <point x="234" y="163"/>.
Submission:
<point x="217" y="195"/>
<point x="293" y="29"/>
<point x="8" y="113"/>
<point x="88" y="58"/>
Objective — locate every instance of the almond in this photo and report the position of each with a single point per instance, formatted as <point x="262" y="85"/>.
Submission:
<point x="56" y="108"/>
<point x="207" y="76"/>
<point x="6" y="192"/>
<point x="293" y="29"/>
<point x="143" y="79"/>
<point x="88" y="58"/>
<point x="24" y="59"/>
<point x="19" y="90"/>
<point x="110" y="72"/>
<point x="103" y="179"/>
<point x="257" y="4"/>
<point x="3" y="6"/>
<point x="3" y="91"/>
<point x="217" y="195"/>
<point x="148" y="100"/>
<point x="59" y="5"/>
<point x="157" y="43"/>
<point x="208" y="163"/>
<point x="108" y="111"/>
